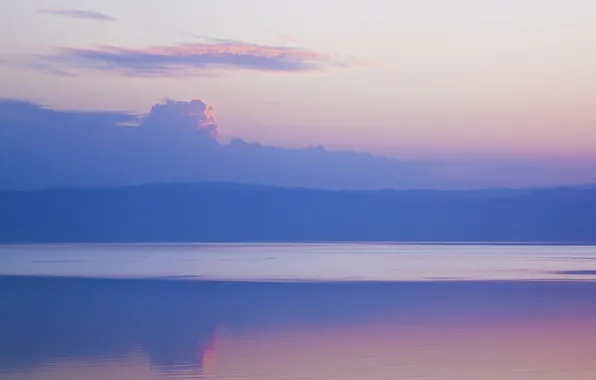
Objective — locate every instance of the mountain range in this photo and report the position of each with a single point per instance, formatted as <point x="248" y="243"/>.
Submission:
<point x="228" y="212"/>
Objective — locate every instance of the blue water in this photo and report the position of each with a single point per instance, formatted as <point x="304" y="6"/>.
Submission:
<point x="297" y="311"/>
<point x="303" y="262"/>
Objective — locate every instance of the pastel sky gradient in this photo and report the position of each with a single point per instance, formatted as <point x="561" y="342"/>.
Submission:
<point x="413" y="78"/>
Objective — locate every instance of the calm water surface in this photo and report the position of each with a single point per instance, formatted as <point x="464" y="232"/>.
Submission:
<point x="297" y="311"/>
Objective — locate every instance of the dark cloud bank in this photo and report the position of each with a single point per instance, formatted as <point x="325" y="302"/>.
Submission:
<point x="175" y="142"/>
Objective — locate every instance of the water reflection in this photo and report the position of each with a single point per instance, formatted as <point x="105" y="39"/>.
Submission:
<point x="144" y="329"/>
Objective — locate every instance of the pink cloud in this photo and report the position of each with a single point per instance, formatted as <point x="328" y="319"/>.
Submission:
<point x="197" y="58"/>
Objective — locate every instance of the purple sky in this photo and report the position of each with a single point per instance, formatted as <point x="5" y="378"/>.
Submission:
<point x="466" y="82"/>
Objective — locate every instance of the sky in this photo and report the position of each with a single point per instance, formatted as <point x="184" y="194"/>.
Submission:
<point x="460" y="81"/>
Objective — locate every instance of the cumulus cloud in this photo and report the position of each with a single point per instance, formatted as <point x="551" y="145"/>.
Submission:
<point x="191" y="115"/>
<point x="193" y="58"/>
<point x="77" y="13"/>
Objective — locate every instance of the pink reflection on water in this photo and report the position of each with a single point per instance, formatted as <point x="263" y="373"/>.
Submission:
<point x="207" y="354"/>
<point x="556" y="349"/>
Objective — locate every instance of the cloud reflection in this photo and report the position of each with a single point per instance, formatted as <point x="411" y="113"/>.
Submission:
<point x="291" y="329"/>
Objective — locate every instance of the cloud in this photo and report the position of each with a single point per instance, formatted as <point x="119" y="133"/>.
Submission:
<point x="77" y="13"/>
<point x="190" y="116"/>
<point x="197" y="58"/>
<point x="26" y="114"/>
<point x="175" y="142"/>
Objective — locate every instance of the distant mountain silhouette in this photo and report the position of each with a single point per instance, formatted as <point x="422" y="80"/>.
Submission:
<point x="226" y="212"/>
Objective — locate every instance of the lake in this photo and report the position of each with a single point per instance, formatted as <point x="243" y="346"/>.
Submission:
<point x="297" y="311"/>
